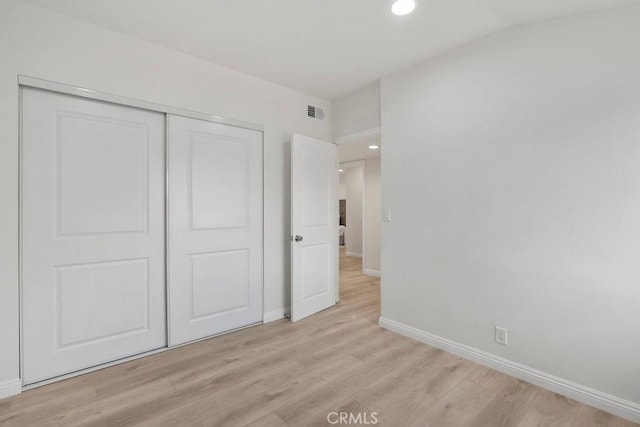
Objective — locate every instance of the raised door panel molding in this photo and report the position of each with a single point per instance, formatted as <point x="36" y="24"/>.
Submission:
<point x="218" y="159"/>
<point x="102" y="172"/>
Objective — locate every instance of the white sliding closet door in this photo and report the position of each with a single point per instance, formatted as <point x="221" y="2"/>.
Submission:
<point x="215" y="228"/>
<point x="92" y="207"/>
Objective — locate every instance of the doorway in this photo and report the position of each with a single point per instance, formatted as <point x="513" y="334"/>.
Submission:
<point x="359" y="198"/>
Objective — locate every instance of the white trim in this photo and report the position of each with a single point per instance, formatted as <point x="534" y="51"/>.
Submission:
<point x="37" y="83"/>
<point x="370" y="272"/>
<point x="10" y="388"/>
<point x="601" y="400"/>
<point x="20" y="222"/>
<point x="272" y="316"/>
<point x="353" y="254"/>
<point x="364" y="215"/>
<point x="364" y="135"/>
<point x="336" y="288"/>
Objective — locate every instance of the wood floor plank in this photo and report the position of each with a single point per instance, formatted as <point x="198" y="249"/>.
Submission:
<point x="5" y="405"/>
<point x="295" y="374"/>
<point x="269" y="420"/>
<point x="490" y="378"/>
<point x="550" y="410"/>
<point x="589" y="416"/>
<point x="404" y="409"/>
<point x="508" y="407"/>
<point x="440" y="378"/>
<point x="378" y="392"/>
<point x="38" y="413"/>
<point x="458" y="406"/>
<point x="114" y="406"/>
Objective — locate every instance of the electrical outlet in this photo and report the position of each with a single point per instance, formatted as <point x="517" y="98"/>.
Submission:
<point x="501" y="335"/>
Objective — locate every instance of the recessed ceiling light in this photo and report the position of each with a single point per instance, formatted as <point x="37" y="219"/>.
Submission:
<point x="374" y="147"/>
<point x="403" y="7"/>
<point x="340" y="170"/>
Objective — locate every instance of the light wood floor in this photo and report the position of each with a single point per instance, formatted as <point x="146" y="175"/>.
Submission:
<point x="296" y="374"/>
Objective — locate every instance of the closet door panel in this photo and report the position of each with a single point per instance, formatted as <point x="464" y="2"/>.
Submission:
<point x="215" y="228"/>
<point x="92" y="211"/>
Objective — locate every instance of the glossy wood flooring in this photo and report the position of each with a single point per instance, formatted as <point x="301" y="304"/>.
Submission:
<point x="296" y="374"/>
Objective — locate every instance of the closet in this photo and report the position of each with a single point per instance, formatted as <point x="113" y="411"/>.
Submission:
<point x="140" y="229"/>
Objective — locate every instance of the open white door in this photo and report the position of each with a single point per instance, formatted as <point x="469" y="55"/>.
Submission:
<point x="314" y="226"/>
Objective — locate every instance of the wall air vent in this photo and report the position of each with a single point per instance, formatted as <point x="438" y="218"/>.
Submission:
<point x="315" y="112"/>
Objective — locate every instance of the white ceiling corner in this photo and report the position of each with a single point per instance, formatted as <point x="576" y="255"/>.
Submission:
<point x="327" y="48"/>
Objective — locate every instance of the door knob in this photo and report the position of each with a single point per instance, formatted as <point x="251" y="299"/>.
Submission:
<point x="298" y="238"/>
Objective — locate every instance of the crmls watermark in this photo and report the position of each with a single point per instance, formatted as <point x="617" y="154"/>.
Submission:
<point x="351" y="418"/>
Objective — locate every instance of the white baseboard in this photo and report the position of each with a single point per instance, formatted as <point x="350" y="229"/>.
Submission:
<point x="370" y="272"/>
<point x="10" y="388"/>
<point x="604" y="401"/>
<point x="274" y="315"/>
<point x="353" y="254"/>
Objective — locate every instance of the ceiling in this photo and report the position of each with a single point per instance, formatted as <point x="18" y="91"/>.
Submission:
<point x="327" y="48"/>
<point x="358" y="151"/>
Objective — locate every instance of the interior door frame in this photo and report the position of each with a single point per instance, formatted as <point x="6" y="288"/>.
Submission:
<point x="66" y="89"/>
<point x="362" y="165"/>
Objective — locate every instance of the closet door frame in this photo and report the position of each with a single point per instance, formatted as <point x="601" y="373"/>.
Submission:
<point x="55" y="87"/>
<point x="34" y="82"/>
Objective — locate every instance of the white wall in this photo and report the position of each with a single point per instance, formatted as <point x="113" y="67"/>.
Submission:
<point x="354" y="179"/>
<point x="358" y="111"/>
<point x="373" y="216"/>
<point x="512" y="168"/>
<point x="342" y="187"/>
<point x="43" y="44"/>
